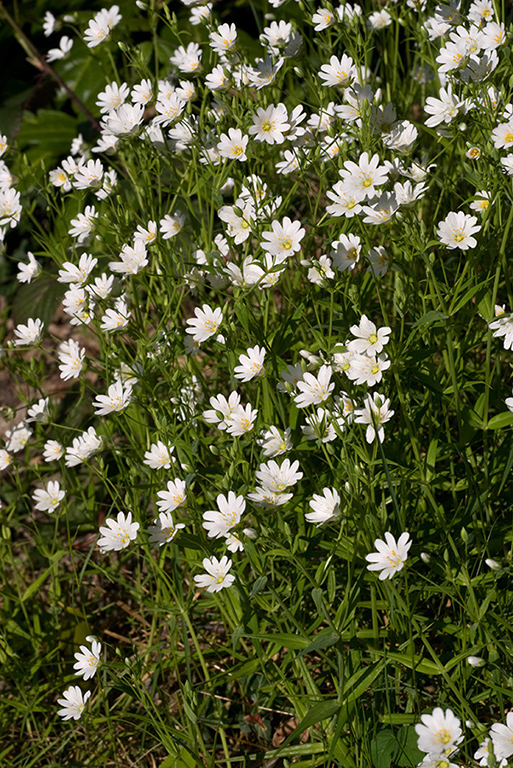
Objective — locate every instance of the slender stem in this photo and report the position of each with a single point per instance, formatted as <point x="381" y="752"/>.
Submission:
<point x="39" y="61"/>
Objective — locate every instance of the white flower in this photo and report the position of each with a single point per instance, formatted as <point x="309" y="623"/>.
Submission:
<point x="389" y="560"/>
<point x="493" y="36"/>
<point x="224" y="39"/>
<point x="320" y="271"/>
<point x="5" y="459"/>
<point x="251" y="364"/>
<point x="503" y="135"/>
<point x="83" y="447"/>
<point x="274" y="478"/>
<point x="116" y="319"/>
<point x="482" y="203"/>
<point x="40" y="411"/>
<point x="17" y="437"/>
<point x="148" y="235"/>
<point x="362" y="178"/>
<point x="124" y="121"/>
<point x="264" y="72"/>
<point x="440" y="732"/>
<point x="200" y="14"/>
<point x="159" y="456"/>
<point x="10" y="207"/>
<point x="222" y="410"/>
<point x="437" y="761"/>
<point x="217" y="576"/>
<point x="233" y="145"/>
<point x="444" y="109"/>
<point x="88" y="659"/>
<point x="187" y="59"/>
<point x="456" y="230"/>
<point x="164" y="529"/>
<point x="367" y="370"/>
<point x="241" y="420"/>
<point x="379" y="20"/>
<point x="262" y="497"/>
<point x="70" y="273"/>
<point x="379" y="260"/>
<point x="370" y="341"/>
<point x="118" y="534"/>
<point x="345" y="203"/>
<point x="217" y="79"/>
<point x="169" y="108"/>
<point x="205" y="324"/>
<point x="89" y="175"/>
<point x="83" y="225"/>
<point x="347" y="252"/>
<point x="339" y="72"/>
<point x="102" y="286"/>
<point x="284" y="240"/>
<point x="382" y="210"/>
<point x="132" y="259"/>
<point x="273" y="443"/>
<point x="375" y="413"/>
<point x="65" y="46"/>
<point x="171" y="225"/>
<point x="142" y="93"/>
<point x="245" y="276"/>
<point x="174" y="497"/>
<point x="112" y="97"/>
<point x="29" y="334"/>
<point x="52" y="450"/>
<point x="240" y="219"/>
<point x="117" y="399"/>
<point x="27" y="272"/>
<point x="71" y="358"/>
<point x="502" y="738"/>
<point x="229" y="511"/>
<point x="276" y="35"/>
<point x="481" y="11"/>
<point x="100" y="27"/>
<point x="48" y="499"/>
<point x="73" y="703"/>
<point x="483" y="754"/>
<point x="50" y="24"/>
<point x="270" y="124"/>
<point x="325" y="507"/>
<point x="323" y="18"/>
<point x="313" y="389"/>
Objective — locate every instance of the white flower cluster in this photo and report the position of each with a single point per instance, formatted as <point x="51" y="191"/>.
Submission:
<point x="87" y="662"/>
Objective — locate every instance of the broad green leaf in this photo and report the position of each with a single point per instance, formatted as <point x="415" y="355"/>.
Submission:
<point x="47" y="135"/>
<point x="501" y="420"/>
<point x="383" y="748"/>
